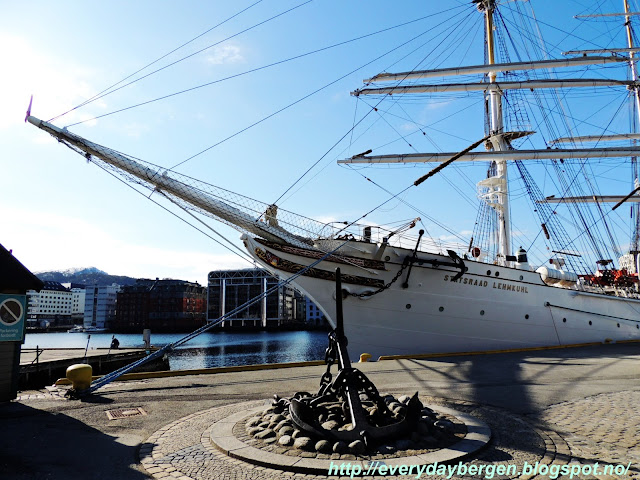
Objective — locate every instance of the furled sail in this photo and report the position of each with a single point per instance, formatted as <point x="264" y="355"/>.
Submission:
<point x="243" y="213"/>
<point x="495" y="86"/>
<point x="555" y="153"/>
<point x="496" y="67"/>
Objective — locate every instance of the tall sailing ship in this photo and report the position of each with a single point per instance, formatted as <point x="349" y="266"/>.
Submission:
<point x="405" y="295"/>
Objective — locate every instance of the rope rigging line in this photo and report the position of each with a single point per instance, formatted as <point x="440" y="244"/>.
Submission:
<point x="415" y="184"/>
<point x="238" y="211"/>
<point x="421" y="127"/>
<point x="458" y="29"/>
<point x="171" y="64"/>
<point x="534" y="192"/>
<point x="558" y="231"/>
<point x="363" y="117"/>
<point x="242" y="254"/>
<point x="584" y="211"/>
<point x="100" y="94"/>
<point x="230" y="77"/>
<point x="102" y="381"/>
<point x="560" y="171"/>
<point x="411" y="206"/>
<point x="451" y="184"/>
<point x="297" y="229"/>
<point x="295" y="103"/>
<point x="568" y="34"/>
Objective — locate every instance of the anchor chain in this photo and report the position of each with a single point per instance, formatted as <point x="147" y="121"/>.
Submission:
<point x="405" y="264"/>
<point x="407" y="261"/>
<point x="369" y="422"/>
<point x="329" y="358"/>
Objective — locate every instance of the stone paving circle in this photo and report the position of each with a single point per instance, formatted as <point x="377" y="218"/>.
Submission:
<point x="222" y="436"/>
<point x="202" y="446"/>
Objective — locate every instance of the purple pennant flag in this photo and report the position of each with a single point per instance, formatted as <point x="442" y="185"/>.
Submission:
<point x="29" y="109"/>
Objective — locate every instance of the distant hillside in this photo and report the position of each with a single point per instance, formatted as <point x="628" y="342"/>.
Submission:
<point x="85" y="276"/>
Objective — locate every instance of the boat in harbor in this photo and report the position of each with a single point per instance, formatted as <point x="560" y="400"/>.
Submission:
<point x="92" y="329"/>
<point x="405" y="294"/>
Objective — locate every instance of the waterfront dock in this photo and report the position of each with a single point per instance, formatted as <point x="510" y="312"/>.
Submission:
<point x="563" y="407"/>
<point x="40" y="367"/>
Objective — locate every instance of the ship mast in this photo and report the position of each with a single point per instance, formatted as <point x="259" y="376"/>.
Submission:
<point x="498" y="142"/>
<point x="636" y="94"/>
<point x="632" y="61"/>
<point x="495" y="188"/>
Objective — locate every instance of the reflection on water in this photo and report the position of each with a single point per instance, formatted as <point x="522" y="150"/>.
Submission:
<point x="247" y="349"/>
<point x="207" y="350"/>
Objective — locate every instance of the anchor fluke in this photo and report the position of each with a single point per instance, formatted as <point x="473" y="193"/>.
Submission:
<point x="357" y="398"/>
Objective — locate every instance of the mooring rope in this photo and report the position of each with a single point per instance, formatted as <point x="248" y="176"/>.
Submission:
<point x="110" y="377"/>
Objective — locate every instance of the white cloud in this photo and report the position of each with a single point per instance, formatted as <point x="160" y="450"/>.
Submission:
<point x="55" y="84"/>
<point x="224" y="54"/>
<point x="408" y="127"/>
<point x="47" y="245"/>
<point x="438" y="104"/>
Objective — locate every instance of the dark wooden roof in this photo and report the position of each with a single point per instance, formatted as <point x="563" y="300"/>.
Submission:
<point x="14" y="275"/>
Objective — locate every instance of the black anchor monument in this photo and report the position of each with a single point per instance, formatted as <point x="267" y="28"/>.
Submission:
<point x="371" y="422"/>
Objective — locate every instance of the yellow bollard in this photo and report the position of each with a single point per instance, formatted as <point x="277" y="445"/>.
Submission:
<point x="80" y="376"/>
<point x="364" y="357"/>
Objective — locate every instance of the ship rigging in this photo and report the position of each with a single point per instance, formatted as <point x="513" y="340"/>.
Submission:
<point x="478" y="294"/>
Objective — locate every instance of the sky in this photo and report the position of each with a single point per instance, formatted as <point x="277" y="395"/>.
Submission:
<point x="62" y="212"/>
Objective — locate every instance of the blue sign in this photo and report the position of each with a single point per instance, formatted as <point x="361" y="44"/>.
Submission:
<point x="12" y="314"/>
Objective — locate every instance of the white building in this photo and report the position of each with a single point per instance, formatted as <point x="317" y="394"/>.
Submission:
<point x="100" y="306"/>
<point x="51" y="306"/>
<point x="77" y="303"/>
<point x="315" y="316"/>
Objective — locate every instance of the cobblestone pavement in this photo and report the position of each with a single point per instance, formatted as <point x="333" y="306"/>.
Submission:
<point x="183" y="449"/>
<point x="558" y="408"/>
<point x="604" y="429"/>
<point x="601" y="428"/>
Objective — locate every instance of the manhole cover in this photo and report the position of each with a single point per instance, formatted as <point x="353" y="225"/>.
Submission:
<point x="125" y="412"/>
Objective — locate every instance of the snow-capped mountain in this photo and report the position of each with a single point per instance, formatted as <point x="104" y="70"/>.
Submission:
<point x="85" y="276"/>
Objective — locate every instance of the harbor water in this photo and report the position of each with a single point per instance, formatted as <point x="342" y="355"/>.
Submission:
<point x="218" y="349"/>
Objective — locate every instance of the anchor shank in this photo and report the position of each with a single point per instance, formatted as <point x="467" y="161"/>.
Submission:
<point x="344" y="363"/>
<point x="341" y="340"/>
<point x="349" y="388"/>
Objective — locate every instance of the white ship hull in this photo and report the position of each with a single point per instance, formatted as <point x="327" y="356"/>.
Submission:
<point x="488" y="308"/>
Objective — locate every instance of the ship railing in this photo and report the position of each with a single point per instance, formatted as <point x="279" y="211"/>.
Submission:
<point x="382" y="234"/>
<point x="379" y="234"/>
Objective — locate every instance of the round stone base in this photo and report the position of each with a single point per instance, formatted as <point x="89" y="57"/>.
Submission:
<point x="185" y="449"/>
<point x="222" y="437"/>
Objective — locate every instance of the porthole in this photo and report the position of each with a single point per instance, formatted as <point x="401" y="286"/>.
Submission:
<point x="408" y="306"/>
<point x="618" y="325"/>
<point x="481" y="312"/>
<point x="387" y="258"/>
<point x="590" y="322"/>
<point x="488" y="272"/>
<point x="521" y="277"/>
<point x="497" y="274"/>
<point x="441" y="309"/>
<point x="637" y="326"/>
<point x="526" y="316"/>
<point x="564" y="320"/>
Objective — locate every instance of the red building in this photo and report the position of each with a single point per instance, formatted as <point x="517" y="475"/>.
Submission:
<point x="161" y="305"/>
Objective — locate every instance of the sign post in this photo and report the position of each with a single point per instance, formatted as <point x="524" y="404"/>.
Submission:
<point x="12" y="317"/>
